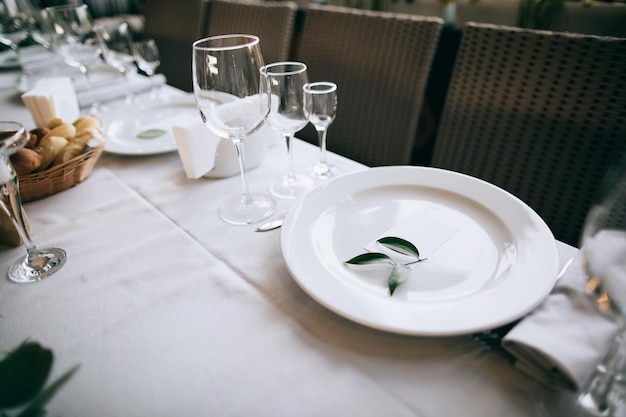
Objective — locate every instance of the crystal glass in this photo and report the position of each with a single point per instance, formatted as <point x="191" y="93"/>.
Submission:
<point x="71" y="34"/>
<point x="290" y="111"/>
<point x="117" y="49"/>
<point x="147" y="58"/>
<point x="603" y="246"/>
<point x="227" y="86"/>
<point x="38" y="263"/>
<point x="323" y="98"/>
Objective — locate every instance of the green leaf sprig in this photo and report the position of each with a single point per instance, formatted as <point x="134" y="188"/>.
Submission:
<point x="399" y="271"/>
<point x="151" y="133"/>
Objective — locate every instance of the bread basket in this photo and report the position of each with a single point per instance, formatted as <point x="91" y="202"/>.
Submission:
<point x="38" y="185"/>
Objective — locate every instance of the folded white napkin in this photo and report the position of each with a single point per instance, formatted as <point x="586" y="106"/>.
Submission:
<point x="205" y="154"/>
<point x="51" y="98"/>
<point x="562" y="341"/>
<point x="117" y="90"/>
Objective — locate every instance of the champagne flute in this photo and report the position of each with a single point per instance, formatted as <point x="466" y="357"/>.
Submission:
<point x="37" y="264"/>
<point x="227" y="87"/>
<point x="290" y="111"/>
<point x="117" y="49"/>
<point x="323" y="98"/>
<point x="147" y="58"/>
<point x="71" y="31"/>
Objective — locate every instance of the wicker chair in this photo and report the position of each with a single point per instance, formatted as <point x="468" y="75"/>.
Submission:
<point x="380" y="63"/>
<point x="272" y="22"/>
<point x="540" y="114"/>
<point x="175" y="26"/>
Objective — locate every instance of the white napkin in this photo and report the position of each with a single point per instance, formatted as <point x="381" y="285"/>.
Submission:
<point x="137" y="83"/>
<point x="562" y="341"/>
<point x="203" y="153"/>
<point x="51" y="98"/>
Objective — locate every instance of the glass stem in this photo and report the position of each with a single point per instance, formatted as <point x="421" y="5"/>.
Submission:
<point x="241" y="157"/>
<point x="12" y="205"/>
<point x="595" y="397"/>
<point x="321" y="133"/>
<point x="291" y="173"/>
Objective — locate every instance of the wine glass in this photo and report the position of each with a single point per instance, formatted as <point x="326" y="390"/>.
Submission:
<point x="72" y="38"/>
<point x="290" y="110"/>
<point x="147" y="58"/>
<point x="37" y="264"/>
<point x="323" y="98"/>
<point x="603" y="248"/>
<point x="227" y="86"/>
<point x="117" y="49"/>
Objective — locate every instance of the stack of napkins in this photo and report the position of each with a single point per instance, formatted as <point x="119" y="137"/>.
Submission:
<point x="51" y="98"/>
<point x="562" y="341"/>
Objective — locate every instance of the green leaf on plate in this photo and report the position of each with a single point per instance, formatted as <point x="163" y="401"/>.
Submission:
<point x="399" y="245"/>
<point x="370" y="258"/>
<point x="23" y="373"/>
<point x="151" y="133"/>
<point x="398" y="275"/>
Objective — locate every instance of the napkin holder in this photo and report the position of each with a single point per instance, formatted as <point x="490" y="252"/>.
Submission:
<point x="52" y="98"/>
<point x="204" y="154"/>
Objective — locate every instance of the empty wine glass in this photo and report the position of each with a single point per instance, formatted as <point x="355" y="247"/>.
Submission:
<point x="147" y="58"/>
<point x="604" y="248"/>
<point x="227" y="87"/>
<point x="72" y="38"/>
<point x="323" y="98"/>
<point x="116" y="45"/>
<point x="37" y="264"/>
<point x="289" y="113"/>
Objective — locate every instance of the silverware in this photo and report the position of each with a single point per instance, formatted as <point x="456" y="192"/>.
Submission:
<point x="271" y="224"/>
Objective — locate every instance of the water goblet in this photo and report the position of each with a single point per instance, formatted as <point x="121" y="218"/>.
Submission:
<point x="289" y="112"/>
<point x="117" y="49"/>
<point x="38" y="263"/>
<point x="227" y="87"/>
<point x="71" y="35"/>
<point x="147" y="58"/>
<point x="323" y="98"/>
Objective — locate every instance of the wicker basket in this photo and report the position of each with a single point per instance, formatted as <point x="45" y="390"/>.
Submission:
<point x="38" y="185"/>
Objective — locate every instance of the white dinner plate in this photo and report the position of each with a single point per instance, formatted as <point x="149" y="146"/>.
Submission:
<point x="490" y="258"/>
<point x="122" y="125"/>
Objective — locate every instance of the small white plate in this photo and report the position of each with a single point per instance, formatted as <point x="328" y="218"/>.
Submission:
<point x="123" y="124"/>
<point x="490" y="258"/>
<point x="8" y="60"/>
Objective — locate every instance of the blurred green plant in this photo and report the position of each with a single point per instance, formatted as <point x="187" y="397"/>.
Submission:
<point x="23" y="375"/>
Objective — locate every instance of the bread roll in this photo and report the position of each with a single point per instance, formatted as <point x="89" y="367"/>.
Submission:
<point x="65" y="130"/>
<point x="86" y="122"/>
<point x="25" y="161"/>
<point x="75" y="146"/>
<point x="54" y="123"/>
<point x="49" y="148"/>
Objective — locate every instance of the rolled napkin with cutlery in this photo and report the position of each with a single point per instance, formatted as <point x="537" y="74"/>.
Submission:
<point x="118" y="90"/>
<point x="566" y="337"/>
<point x="204" y="154"/>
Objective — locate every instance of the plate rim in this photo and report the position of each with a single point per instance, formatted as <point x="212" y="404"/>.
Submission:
<point x="180" y="99"/>
<point x="545" y="233"/>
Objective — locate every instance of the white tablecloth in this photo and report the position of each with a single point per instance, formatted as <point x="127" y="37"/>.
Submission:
<point x="170" y="311"/>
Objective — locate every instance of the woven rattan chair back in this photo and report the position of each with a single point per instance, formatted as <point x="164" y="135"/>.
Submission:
<point x="380" y="63"/>
<point x="174" y="26"/>
<point x="540" y="114"/>
<point x="272" y="22"/>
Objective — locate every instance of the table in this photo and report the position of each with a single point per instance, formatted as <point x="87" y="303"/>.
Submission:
<point x="170" y="311"/>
